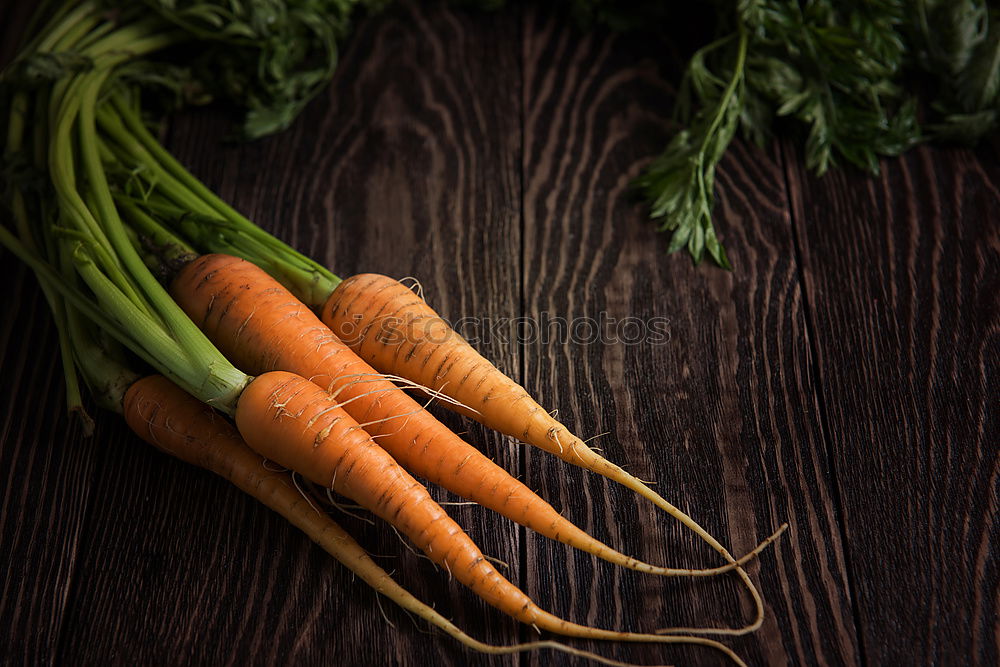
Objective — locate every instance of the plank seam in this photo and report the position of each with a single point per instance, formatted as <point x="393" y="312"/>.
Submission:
<point x="819" y="396"/>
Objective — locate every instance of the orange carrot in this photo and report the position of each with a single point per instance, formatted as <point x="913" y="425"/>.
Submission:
<point x="260" y="326"/>
<point x="162" y="414"/>
<point x="299" y="425"/>
<point x="395" y="331"/>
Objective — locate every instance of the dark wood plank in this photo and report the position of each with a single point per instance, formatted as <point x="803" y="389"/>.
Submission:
<point x="722" y="414"/>
<point x="48" y="473"/>
<point x="902" y="277"/>
<point x="408" y="165"/>
<point x="860" y="404"/>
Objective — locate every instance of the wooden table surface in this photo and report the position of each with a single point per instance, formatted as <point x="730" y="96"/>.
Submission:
<point x="842" y="378"/>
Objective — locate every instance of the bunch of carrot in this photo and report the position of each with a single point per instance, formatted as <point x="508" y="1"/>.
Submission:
<point x="239" y="354"/>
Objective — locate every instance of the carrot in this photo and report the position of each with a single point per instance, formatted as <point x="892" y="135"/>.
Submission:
<point x="277" y="413"/>
<point x="382" y="321"/>
<point x="260" y="326"/>
<point x="299" y="425"/>
<point x="288" y="418"/>
<point x="162" y="414"/>
<point x="394" y="330"/>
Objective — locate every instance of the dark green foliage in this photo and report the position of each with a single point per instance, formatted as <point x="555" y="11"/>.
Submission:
<point x="680" y="184"/>
<point x="842" y="74"/>
<point x="270" y="57"/>
<point x="958" y="42"/>
<point x="829" y="70"/>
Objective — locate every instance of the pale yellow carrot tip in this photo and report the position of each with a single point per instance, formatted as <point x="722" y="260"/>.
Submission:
<point x="757" y="550"/>
<point x="758" y="601"/>
<point x="436" y="619"/>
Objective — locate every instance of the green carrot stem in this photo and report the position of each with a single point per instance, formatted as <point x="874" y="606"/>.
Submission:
<point x="231" y="233"/>
<point x="208" y="375"/>
<point x="31" y="35"/>
<point x="74" y="398"/>
<point x="47" y="272"/>
<point x="73" y="209"/>
<point x="168" y="245"/>
<point x="15" y="135"/>
<point x="116" y="47"/>
<point x="66" y="20"/>
<point x="130" y="151"/>
<point x="189" y="336"/>
<point x="166" y="164"/>
<point x="101" y="364"/>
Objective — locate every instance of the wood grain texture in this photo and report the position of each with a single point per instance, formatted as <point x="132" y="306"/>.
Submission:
<point x="842" y="378"/>
<point x="902" y="277"/>
<point x="48" y="472"/>
<point x="721" y="414"/>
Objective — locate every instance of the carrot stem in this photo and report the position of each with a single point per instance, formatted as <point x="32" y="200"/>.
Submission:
<point x="19" y="110"/>
<point x="125" y="125"/>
